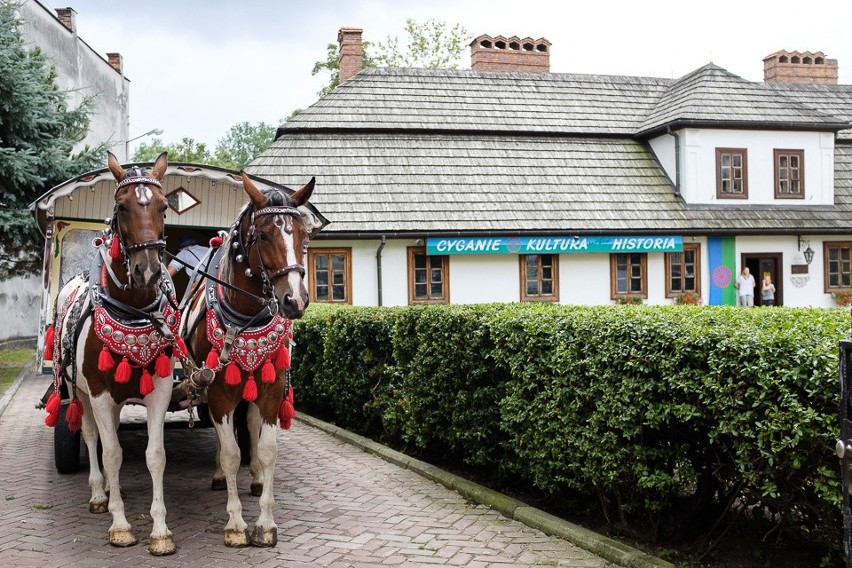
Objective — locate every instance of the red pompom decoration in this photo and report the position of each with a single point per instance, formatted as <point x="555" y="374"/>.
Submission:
<point x="232" y="374"/>
<point x="250" y="390"/>
<point x="53" y="403"/>
<point x="163" y="365"/>
<point x="146" y="383"/>
<point x="74" y="415"/>
<point x="105" y="360"/>
<point x="180" y="347"/>
<point x="49" y="339"/>
<point x="286" y="412"/>
<point x="51" y="420"/>
<point x="282" y="358"/>
<point x="267" y="374"/>
<point x="122" y="373"/>
<point x="212" y="360"/>
<point x="115" y="248"/>
<point x="216" y="242"/>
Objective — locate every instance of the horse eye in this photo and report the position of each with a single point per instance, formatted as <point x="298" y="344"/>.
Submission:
<point x="264" y="237"/>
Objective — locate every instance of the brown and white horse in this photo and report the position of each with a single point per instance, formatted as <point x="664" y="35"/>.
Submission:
<point x="112" y="340"/>
<point x="238" y="326"/>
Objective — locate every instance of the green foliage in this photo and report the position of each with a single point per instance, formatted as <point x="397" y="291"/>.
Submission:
<point x="187" y="150"/>
<point x="38" y="133"/>
<point x="431" y="45"/>
<point x="661" y="415"/>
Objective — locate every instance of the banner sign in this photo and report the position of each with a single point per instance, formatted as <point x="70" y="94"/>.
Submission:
<point x="555" y="245"/>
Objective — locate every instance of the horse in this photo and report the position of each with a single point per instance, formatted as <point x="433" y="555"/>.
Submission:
<point x="123" y="307"/>
<point x="237" y="324"/>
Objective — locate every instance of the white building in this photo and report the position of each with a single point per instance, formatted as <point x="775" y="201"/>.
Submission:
<point x="508" y="183"/>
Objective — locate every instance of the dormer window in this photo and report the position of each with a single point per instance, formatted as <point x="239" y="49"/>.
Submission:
<point x="731" y="173"/>
<point x="789" y="174"/>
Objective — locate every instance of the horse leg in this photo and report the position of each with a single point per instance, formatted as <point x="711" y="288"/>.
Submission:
<point x="265" y="530"/>
<point x="99" y="501"/>
<point x="218" y="483"/>
<point x="161" y="542"/>
<point x="103" y="407"/>
<point x="254" y="422"/>
<point x="236" y="533"/>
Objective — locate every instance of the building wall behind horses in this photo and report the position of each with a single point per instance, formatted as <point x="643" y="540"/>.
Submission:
<point x="20" y="302"/>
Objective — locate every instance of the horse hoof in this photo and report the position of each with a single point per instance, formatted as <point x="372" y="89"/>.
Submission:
<point x="264" y="538"/>
<point x="236" y="538"/>
<point x="161" y="545"/>
<point x="218" y="484"/>
<point x="256" y="489"/>
<point x="122" y="538"/>
<point x="98" y="507"/>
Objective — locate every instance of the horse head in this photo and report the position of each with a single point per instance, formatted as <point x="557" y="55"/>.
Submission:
<point x="276" y="240"/>
<point x="138" y="220"/>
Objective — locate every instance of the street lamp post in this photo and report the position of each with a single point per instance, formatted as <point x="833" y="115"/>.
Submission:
<point x="156" y="131"/>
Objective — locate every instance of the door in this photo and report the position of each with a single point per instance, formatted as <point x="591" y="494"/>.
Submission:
<point x="760" y="264"/>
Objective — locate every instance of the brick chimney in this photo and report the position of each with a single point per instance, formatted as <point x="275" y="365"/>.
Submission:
<point x="116" y="61"/>
<point x="351" y="58"/>
<point x="800" y="67"/>
<point x="66" y="16"/>
<point x="510" y="54"/>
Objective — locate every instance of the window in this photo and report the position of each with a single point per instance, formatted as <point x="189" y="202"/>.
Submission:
<point x="683" y="272"/>
<point x="790" y="174"/>
<point x="838" y="265"/>
<point x="627" y="274"/>
<point x="539" y="277"/>
<point x="330" y="273"/>
<point x="731" y="173"/>
<point x="428" y="277"/>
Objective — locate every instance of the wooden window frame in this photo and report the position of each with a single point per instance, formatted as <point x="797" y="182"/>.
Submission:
<point x="613" y="273"/>
<point x="800" y="154"/>
<point x="696" y="248"/>
<point x="525" y="297"/>
<point x="826" y="247"/>
<point x="732" y="151"/>
<point x="347" y="276"/>
<point x="445" y="272"/>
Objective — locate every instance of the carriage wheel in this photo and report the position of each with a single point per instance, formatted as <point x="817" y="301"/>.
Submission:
<point x="66" y="445"/>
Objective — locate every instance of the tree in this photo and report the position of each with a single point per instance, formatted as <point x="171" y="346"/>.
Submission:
<point x="431" y="45"/>
<point x="187" y="150"/>
<point x="242" y="143"/>
<point x="38" y="133"/>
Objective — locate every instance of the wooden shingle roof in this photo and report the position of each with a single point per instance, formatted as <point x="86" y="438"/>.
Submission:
<point x="414" y="151"/>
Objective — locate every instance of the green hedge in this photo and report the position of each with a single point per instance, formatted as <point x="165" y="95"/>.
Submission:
<point x="660" y="416"/>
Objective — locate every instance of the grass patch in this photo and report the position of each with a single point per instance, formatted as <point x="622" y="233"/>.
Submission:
<point x="11" y="364"/>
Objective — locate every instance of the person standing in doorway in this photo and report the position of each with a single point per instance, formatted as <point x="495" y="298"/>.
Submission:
<point x="745" y="288"/>
<point x="190" y="253"/>
<point x="767" y="291"/>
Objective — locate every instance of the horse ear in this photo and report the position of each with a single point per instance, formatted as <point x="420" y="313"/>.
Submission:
<point x="301" y="197"/>
<point x="256" y="196"/>
<point x="160" y="166"/>
<point x="115" y="167"/>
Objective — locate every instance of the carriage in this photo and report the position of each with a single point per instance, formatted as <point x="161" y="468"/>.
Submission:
<point x="203" y="200"/>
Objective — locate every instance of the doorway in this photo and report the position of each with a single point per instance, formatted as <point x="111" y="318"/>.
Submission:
<point x="760" y="264"/>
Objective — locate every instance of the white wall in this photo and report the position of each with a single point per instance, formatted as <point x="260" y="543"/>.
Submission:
<point x="20" y="305"/>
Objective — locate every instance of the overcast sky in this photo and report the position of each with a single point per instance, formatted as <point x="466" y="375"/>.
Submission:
<point x="197" y="67"/>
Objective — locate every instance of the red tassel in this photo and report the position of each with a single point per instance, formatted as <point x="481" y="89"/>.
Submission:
<point x="250" y="390"/>
<point x="216" y="242"/>
<point x="286" y="412"/>
<point x="180" y="347"/>
<point x="51" y="420"/>
<point x="122" y="374"/>
<point x="115" y="248"/>
<point x="232" y="374"/>
<point x="74" y="415"/>
<point x="105" y="360"/>
<point x="49" y="339"/>
<point x="163" y="366"/>
<point x="53" y="403"/>
<point x="146" y="383"/>
<point x="282" y="358"/>
<point x="267" y="374"/>
<point x="212" y="360"/>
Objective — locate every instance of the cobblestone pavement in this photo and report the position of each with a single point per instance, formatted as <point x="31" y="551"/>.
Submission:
<point x="337" y="506"/>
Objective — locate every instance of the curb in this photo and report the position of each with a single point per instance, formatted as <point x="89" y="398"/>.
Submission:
<point x="605" y="547"/>
<point x="28" y="369"/>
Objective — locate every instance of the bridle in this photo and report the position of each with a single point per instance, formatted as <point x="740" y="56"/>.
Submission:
<point x="139" y="180"/>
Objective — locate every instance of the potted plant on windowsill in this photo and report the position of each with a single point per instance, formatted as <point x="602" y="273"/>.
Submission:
<point x="688" y="299"/>
<point x="629" y="300"/>
<point x="843" y="297"/>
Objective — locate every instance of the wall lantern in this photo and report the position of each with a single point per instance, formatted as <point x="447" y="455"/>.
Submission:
<point x="808" y="252"/>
